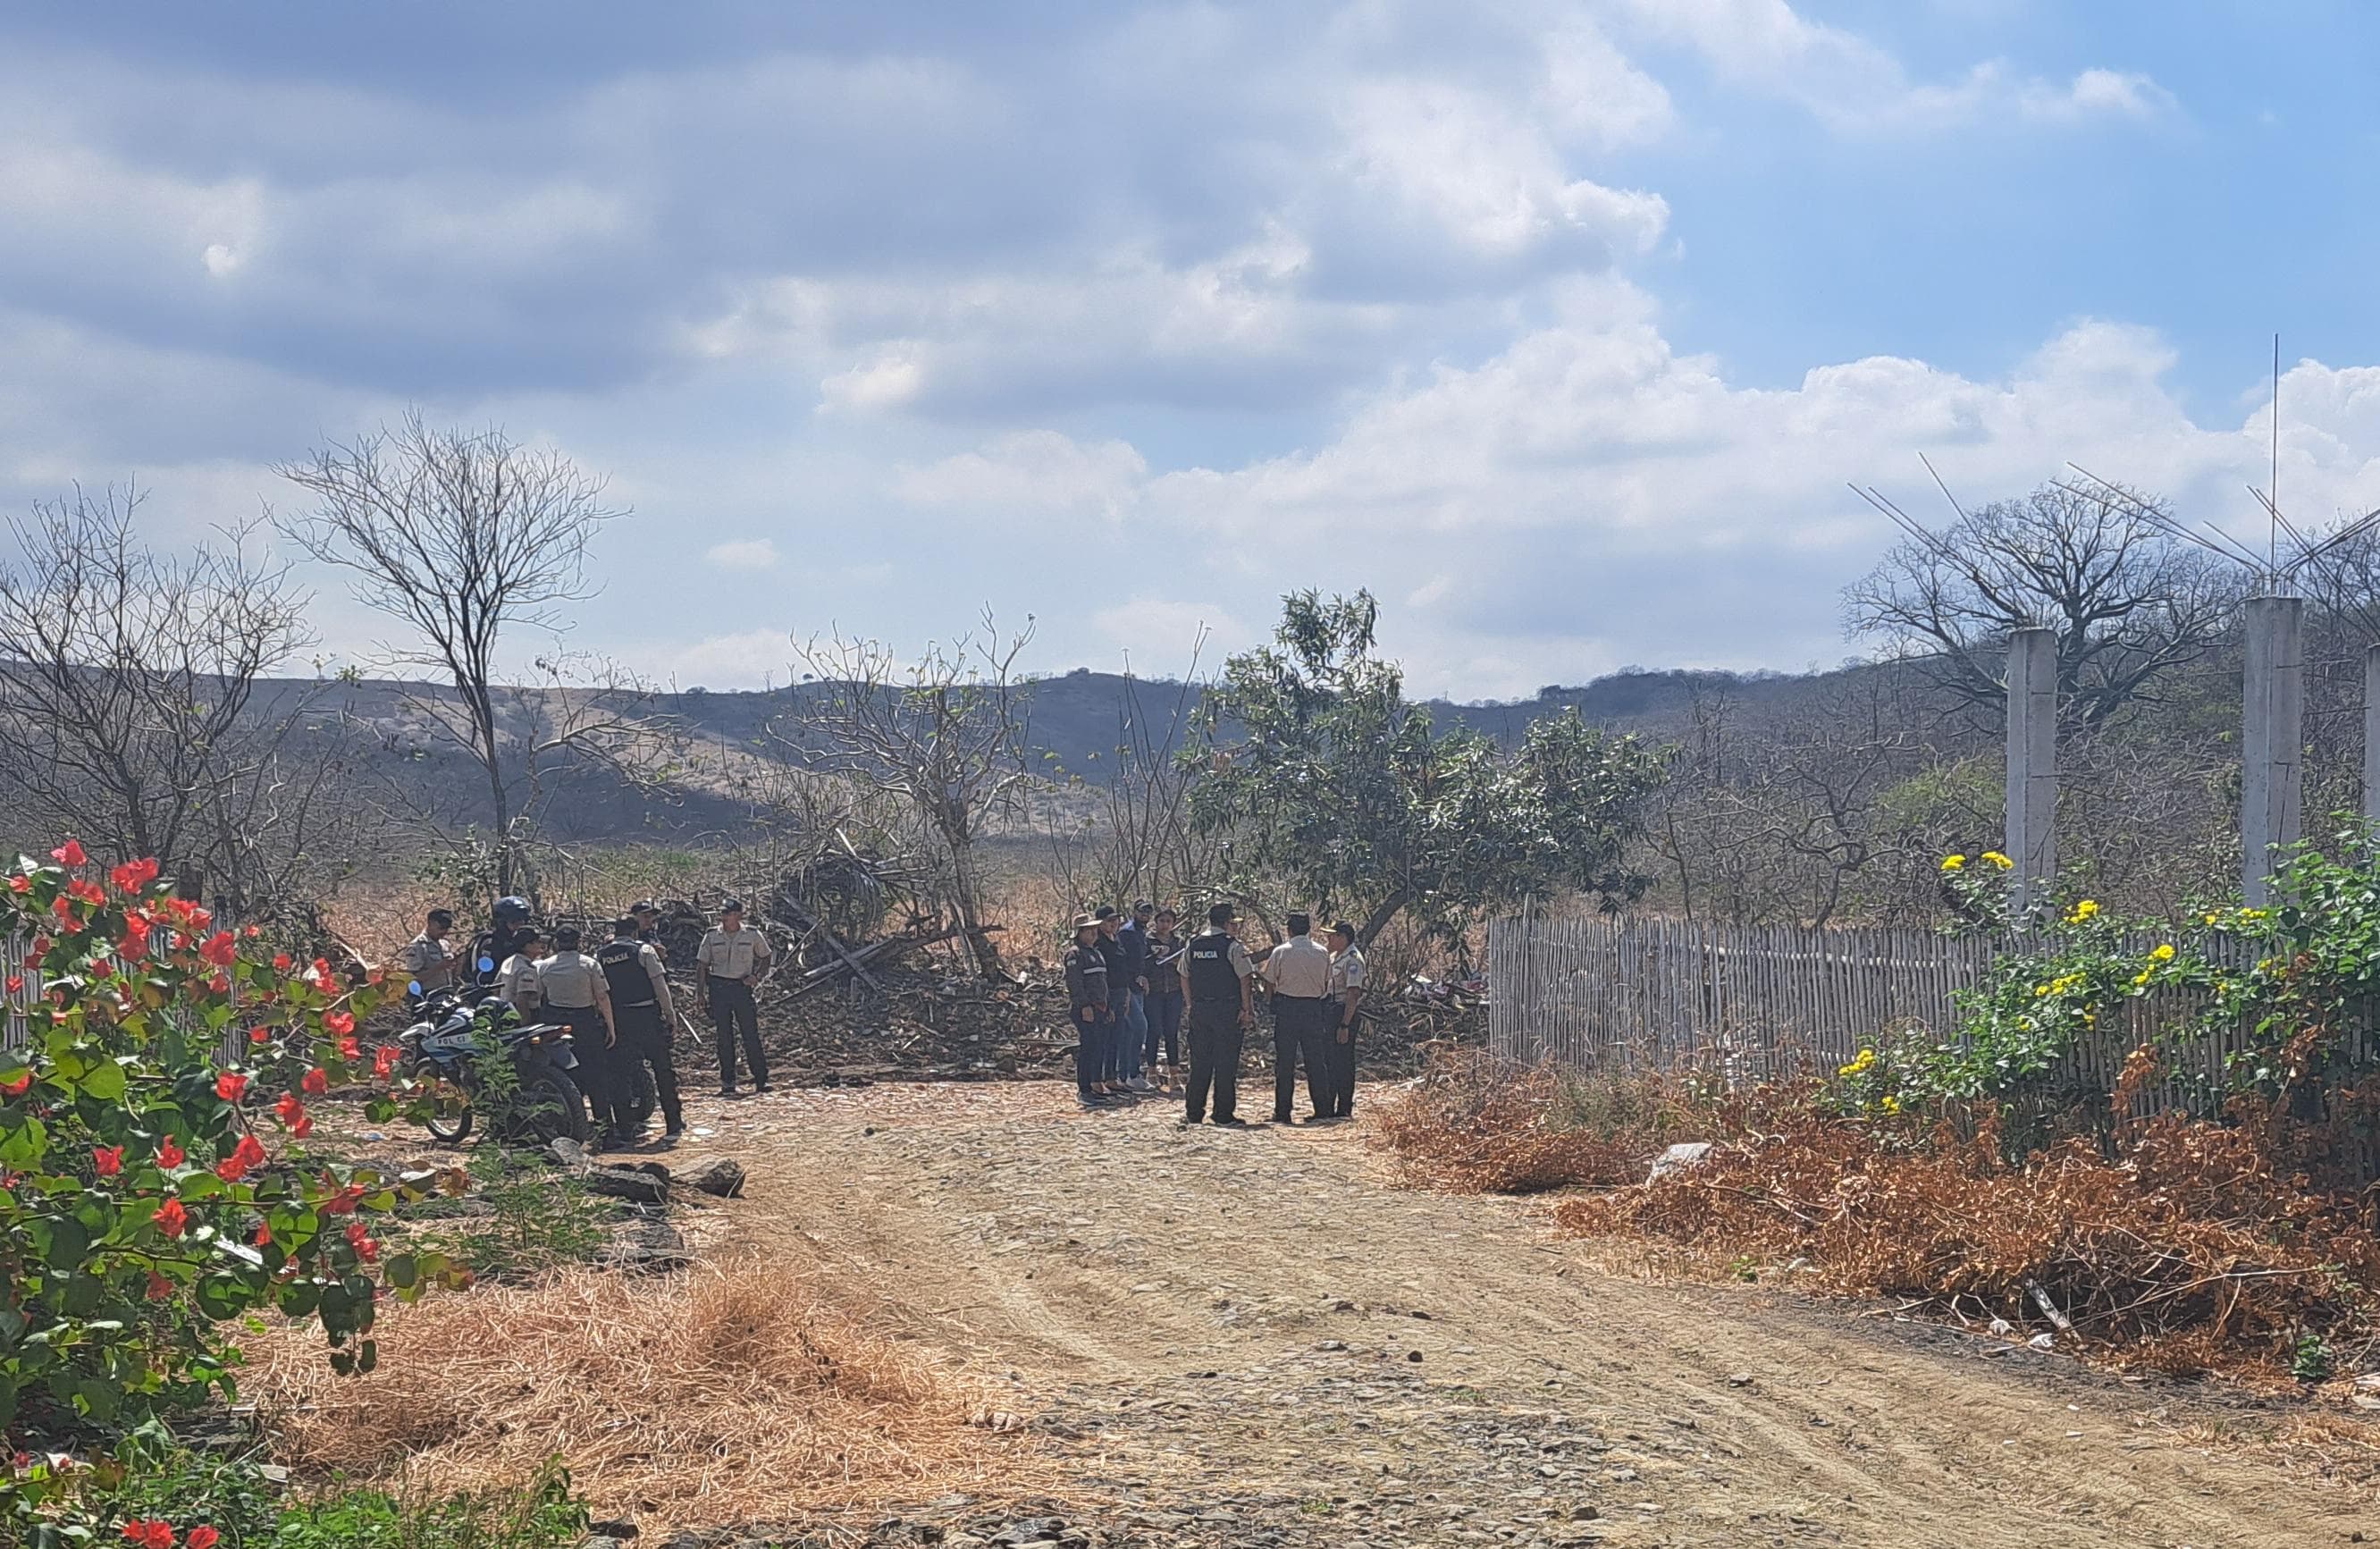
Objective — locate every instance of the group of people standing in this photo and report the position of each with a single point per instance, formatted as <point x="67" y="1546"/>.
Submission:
<point x="1139" y="991"/>
<point x="616" y="1000"/>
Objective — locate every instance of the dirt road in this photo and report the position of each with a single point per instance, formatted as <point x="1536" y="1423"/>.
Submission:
<point x="1251" y="1338"/>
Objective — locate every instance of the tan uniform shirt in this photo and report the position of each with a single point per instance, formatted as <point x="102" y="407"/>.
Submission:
<point x="428" y="961"/>
<point x="731" y="954"/>
<point x="570" y="982"/>
<point x="1346" y="972"/>
<point x="516" y="982"/>
<point x="1299" y="967"/>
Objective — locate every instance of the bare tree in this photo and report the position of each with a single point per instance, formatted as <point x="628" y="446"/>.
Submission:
<point x="462" y="537"/>
<point x="1128" y="833"/>
<point x="2129" y="602"/>
<point x="129" y="690"/>
<point x="945" y="733"/>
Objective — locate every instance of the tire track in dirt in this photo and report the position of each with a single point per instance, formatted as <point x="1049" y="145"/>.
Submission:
<point x="1221" y="1327"/>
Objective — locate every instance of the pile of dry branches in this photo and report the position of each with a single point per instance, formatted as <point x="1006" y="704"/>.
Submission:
<point x="738" y="1394"/>
<point x="1473" y="1125"/>
<point x="2192" y="1252"/>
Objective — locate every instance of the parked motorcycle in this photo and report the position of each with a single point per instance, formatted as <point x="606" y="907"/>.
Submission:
<point x="458" y="1033"/>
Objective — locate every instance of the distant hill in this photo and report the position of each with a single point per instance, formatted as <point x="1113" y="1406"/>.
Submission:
<point x="1080" y="717"/>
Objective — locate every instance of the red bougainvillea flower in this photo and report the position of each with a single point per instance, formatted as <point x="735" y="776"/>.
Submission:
<point x="315" y="1083"/>
<point x="108" y="1160"/>
<point x="70" y="854"/>
<point x="15" y="1085"/>
<point x="288" y="1108"/>
<point x="220" y="984"/>
<point x="338" y="1024"/>
<point x="231" y="1086"/>
<point x="159" y="1287"/>
<point x="168" y="1154"/>
<point x="133" y="875"/>
<point x="150" y="1534"/>
<point x="203" y="1538"/>
<point x="345" y="1202"/>
<point x="282" y="962"/>
<point x="220" y="949"/>
<point x="259" y="1035"/>
<point x="171" y="1218"/>
<point x="63" y="906"/>
<point x="247" y="1155"/>
<point x="383" y="1062"/>
<point x="20" y="883"/>
<point x="350" y="1050"/>
<point x="87" y="891"/>
<point x="41" y="946"/>
<point x="263" y="1237"/>
<point x="360" y="1240"/>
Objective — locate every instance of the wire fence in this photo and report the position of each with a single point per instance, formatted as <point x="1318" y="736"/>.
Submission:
<point x="24" y="998"/>
<point x="1756" y="1002"/>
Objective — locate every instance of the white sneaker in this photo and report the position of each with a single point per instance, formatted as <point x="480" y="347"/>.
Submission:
<point x="1138" y="1084"/>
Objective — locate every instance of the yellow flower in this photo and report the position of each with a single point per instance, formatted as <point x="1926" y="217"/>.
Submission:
<point x="1996" y="858"/>
<point x="1890" y="1105"/>
<point x="2140" y="979"/>
<point x="2082" y="912"/>
<point x="2255" y="914"/>
<point x="1953" y="862"/>
<point x="2164" y="952"/>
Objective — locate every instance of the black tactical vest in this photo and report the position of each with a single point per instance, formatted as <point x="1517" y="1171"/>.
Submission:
<point x="631" y="986"/>
<point x="1212" y="978"/>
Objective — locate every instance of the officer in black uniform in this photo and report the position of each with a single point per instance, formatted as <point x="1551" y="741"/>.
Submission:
<point x="508" y="929"/>
<point x="644" y="1014"/>
<point x="1217" y="978"/>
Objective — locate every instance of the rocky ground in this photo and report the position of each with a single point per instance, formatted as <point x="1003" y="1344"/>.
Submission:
<point x="1243" y="1339"/>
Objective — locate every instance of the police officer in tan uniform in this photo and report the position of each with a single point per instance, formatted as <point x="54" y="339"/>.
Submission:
<point x="430" y="958"/>
<point x="1346" y="998"/>
<point x="571" y="989"/>
<point x="727" y="966"/>
<point x="516" y="976"/>
<point x="1299" y="972"/>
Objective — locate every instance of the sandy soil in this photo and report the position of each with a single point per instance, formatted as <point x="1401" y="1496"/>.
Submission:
<point x="1252" y="1337"/>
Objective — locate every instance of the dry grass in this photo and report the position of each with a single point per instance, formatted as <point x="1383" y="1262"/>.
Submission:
<point x="727" y="1395"/>
<point x="2193" y="1252"/>
<point x="1472" y="1125"/>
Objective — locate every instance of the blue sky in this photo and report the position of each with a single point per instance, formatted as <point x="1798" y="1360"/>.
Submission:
<point x="1560" y="325"/>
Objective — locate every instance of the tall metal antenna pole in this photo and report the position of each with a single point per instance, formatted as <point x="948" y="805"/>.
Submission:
<point x="2272" y="540"/>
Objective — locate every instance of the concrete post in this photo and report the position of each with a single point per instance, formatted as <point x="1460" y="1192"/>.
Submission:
<point x="2272" y="741"/>
<point x="2372" y="734"/>
<point x="2032" y="764"/>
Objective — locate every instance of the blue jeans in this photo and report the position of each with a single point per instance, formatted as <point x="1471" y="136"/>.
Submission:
<point x="1164" y="1014"/>
<point x="1131" y="1031"/>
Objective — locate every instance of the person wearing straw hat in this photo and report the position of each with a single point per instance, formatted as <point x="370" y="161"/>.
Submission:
<point x="1346" y="995"/>
<point x="1089" y="998"/>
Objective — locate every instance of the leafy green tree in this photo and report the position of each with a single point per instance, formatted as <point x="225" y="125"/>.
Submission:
<point x="1329" y="781"/>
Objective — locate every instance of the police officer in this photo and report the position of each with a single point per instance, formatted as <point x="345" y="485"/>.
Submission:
<point x="1090" y="1000"/>
<point x="1220" y="1005"/>
<point x="727" y="966"/>
<point x="571" y="990"/>
<point x="430" y="958"/>
<point x="516" y="975"/>
<point x="500" y="941"/>
<point x="643" y="1012"/>
<point x="1299" y="972"/>
<point x="1346" y="998"/>
<point x="1118" y="1066"/>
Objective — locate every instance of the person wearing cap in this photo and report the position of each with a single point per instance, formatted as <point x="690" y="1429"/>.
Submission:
<point x="727" y="966"/>
<point x="430" y="958"/>
<point x="571" y="990"/>
<point x="1123" y="1063"/>
<point x="1346" y="997"/>
<point x="1299" y="972"/>
<point x="643" y="1011"/>
<point x="1218" y="1004"/>
<point x="648" y="923"/>
<point x="1164" y="999"/>
<point x="1088" y="998"/>
<point x="1132" y="1030"/>
<point x="516" y="975"/>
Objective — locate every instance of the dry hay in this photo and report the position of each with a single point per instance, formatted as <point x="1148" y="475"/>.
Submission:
<point x="723" y="1395"/>
<point x="1474" y="1125"/>
<point x="2193" y="1252"/>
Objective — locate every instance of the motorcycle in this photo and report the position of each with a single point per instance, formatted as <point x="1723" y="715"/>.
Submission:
<point x="457" y="1030"/>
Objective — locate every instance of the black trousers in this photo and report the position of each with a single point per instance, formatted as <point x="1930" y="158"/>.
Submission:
<point x="602" y="1068"/>
<point x="651" y="1068"/>
<point x="1339" y="1060"/>
<point x="1214" y="1060"/>
<point x="1298" y="1028"/>
<point x="732" y="1015"/>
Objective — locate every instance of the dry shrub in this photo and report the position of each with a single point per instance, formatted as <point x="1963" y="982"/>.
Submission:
<point x="2193" y="1252"/>
<point x="725" y="1395"/>
<point x="1474" y="1125"/>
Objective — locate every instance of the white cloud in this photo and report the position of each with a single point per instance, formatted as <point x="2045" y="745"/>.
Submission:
<point x="1032" y="474"/>
<point x="1162" y="636"/>
<point x="2101" y="93"/>
<point x="744" y="659"/>
<point x="743" y="554"/>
